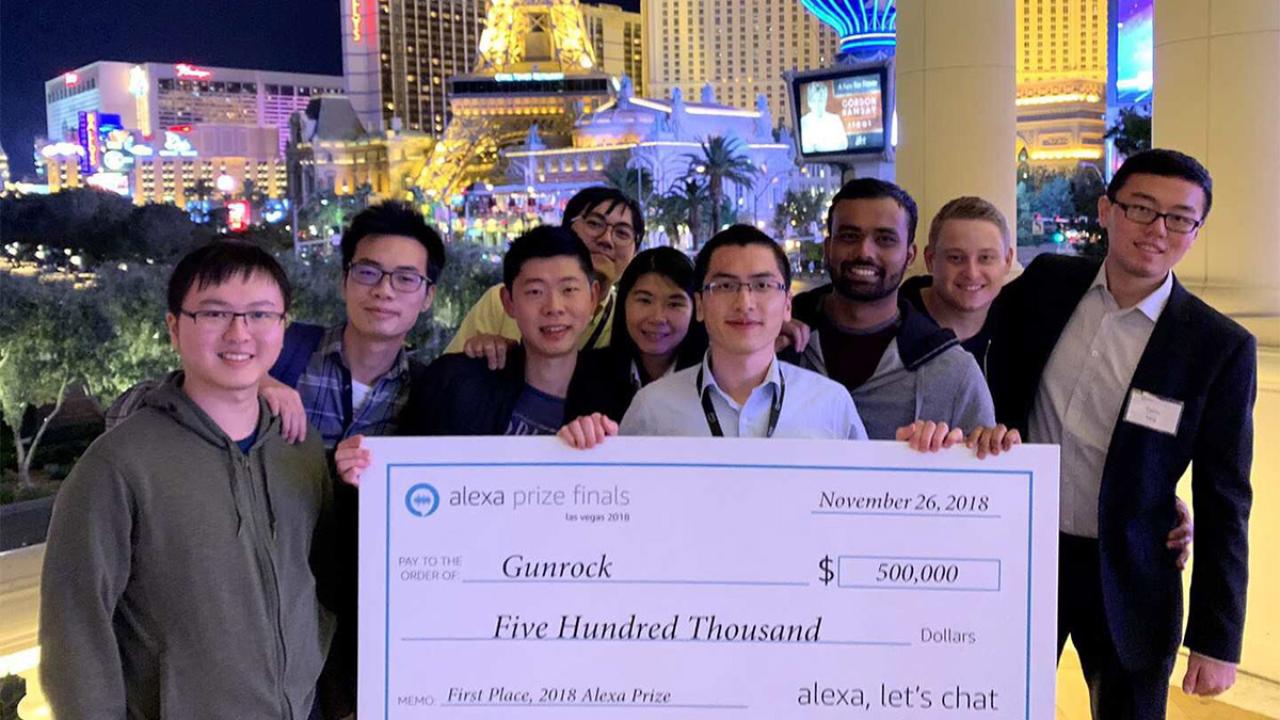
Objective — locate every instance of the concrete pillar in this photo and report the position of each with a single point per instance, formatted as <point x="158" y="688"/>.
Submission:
<point x="955" y="91"/>
<point x="1217" y="97"/>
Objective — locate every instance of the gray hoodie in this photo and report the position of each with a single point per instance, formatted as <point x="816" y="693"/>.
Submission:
<point x="177" y="580"/>
<point x="924" y="373"/>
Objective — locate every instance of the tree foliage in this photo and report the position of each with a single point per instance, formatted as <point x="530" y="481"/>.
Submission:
<point x="134" y="302"/>
<point x="687" y="203"/>
<point x="98" y="226"/>
<point x="52" y="336"/>
<point x="723" y="159"/>
<point x="1054" y="194"/>
<point x="634" y="182"/>
<point x="1132" y="132"/>
<point x="799" y="209"/>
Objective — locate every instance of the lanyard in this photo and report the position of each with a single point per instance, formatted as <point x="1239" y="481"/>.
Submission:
<point x="713" y="420"/>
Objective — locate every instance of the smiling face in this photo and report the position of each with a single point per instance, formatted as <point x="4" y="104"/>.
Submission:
<point x="381" y="312"/>
<point x="233" y="357"/>
<point x="1149" y="252"/>
<point x="551" y="300"/>
<point x="868" y="250"/>
<point x="745" y="322"/>
<point x="610" y="235"/>
<point x="969" y="261"/>
<point x="658" y="315"/>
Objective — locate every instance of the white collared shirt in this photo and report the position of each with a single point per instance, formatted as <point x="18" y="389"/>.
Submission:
<point x="1083" y="389"/>
<point x="813" y="406"/>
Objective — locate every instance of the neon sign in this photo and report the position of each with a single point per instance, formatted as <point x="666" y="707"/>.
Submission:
<point x="90" y="142"/>
<point x="61" y="149"/>
<point x="138" y="89"/>
<point x="528" y="77"/>
<point x="238" y="215"/>
<point x="357" y="22"/>
<point x="191" y="71"/>
<point x="176" y="146"/>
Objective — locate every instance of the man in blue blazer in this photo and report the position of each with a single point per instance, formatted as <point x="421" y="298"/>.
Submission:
<point x="1136" y="377"/>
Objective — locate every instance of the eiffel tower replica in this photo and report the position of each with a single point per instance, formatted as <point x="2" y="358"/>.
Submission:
<point x="536" y="67"/>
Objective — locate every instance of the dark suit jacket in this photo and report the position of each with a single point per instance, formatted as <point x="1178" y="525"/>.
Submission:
<point x="458" y="395"/>
<point x="1197" y="356"/>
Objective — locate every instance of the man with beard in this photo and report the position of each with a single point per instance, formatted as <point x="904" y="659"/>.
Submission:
<point x="901" y="368"/>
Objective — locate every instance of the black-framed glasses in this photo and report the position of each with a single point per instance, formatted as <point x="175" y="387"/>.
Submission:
<point x="1145" y="216"/>
<point x="404" y="281"/>
<point x="596" y="226"/>
<point x="726" y="288"/>
<point x="220" y="320"/>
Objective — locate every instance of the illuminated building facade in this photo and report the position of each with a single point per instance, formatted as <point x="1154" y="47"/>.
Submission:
<point x="617" y="40"/>
<point x="335" y="153"/>
<point x="536" y="69"/>
<point x="657" y="137"/>
<point x="740" y="47"/>
<point x="4" y="170"/>
<point x="179" y="166"/>
<point x="178" y="180"/>
<point x="1061" y="61"/>
<point x="397" y="56"/>
<point x="151" y="97"/>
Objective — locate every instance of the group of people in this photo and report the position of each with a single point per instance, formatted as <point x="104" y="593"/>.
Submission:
<point x="201" y="560"/>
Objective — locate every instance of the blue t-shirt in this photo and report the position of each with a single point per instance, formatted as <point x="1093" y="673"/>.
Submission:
<point x="536" y="413"/>
<point x="247" y="443"/>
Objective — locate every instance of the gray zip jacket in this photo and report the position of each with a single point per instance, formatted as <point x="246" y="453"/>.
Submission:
<point x="177" y="580"/>
<point x="924" y="373"/>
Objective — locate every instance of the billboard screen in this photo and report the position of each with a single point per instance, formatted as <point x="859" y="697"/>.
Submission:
<point x="842" y="113"/>
<point x="1133" y="69"/>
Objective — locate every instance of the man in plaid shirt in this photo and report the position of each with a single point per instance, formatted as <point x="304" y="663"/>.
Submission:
<point x="352" y="378"/>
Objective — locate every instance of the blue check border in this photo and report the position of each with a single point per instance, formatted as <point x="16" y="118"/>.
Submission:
<point x="1029" y="476"/>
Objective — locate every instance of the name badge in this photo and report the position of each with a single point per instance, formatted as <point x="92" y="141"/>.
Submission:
<point x="1153" y="412"/>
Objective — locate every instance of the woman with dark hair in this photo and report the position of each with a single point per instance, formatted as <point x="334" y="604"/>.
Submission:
<point x="654" y="330"/>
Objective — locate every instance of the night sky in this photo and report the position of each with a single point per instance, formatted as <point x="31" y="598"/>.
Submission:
<point x="41" y="39"/>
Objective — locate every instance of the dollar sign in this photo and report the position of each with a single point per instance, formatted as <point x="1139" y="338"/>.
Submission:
<point x="825" y="566"/>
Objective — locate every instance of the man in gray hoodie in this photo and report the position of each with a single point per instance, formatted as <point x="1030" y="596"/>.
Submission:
<point x="900" y="367"/>
<point x="177" y="576"/>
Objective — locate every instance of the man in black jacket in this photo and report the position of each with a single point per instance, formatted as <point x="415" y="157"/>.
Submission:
<point x="550" y="291"/>
<point x="1136" y="377"/>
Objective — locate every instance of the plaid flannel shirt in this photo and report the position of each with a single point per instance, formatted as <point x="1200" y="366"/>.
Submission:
<point x="325" y="387"/>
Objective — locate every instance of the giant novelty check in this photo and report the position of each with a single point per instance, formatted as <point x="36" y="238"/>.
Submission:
<point x="705" y="578"/>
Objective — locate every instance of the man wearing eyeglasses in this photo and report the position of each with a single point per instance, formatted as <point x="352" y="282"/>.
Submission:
<point x="741" y="388"/>
<point x="353" y="378"/>
<point x="356" y="381"/>
<point x="177" y="577"/>
<point x="1136" y="378"/>
<point x="612" y="227"/>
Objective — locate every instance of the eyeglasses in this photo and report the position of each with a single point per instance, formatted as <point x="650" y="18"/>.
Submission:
<point x="402" y="281"/>
<point x="220" y="320"/>
<point x="596" y="226"/>
<point x="1145" y="216"/>
<point x="726" y="288"/>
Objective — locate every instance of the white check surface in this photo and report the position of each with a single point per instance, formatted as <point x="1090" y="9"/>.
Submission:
<point x="705" y="578"/>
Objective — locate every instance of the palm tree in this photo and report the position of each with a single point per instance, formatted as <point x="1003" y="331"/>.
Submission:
<point x="635" y="182"/>
<point x="723" y="159"/>
<point x="257" y="199"/>
<point x="684" y="203"/>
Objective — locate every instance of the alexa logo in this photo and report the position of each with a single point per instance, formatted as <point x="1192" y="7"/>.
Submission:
<point x="422" y="500"/>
